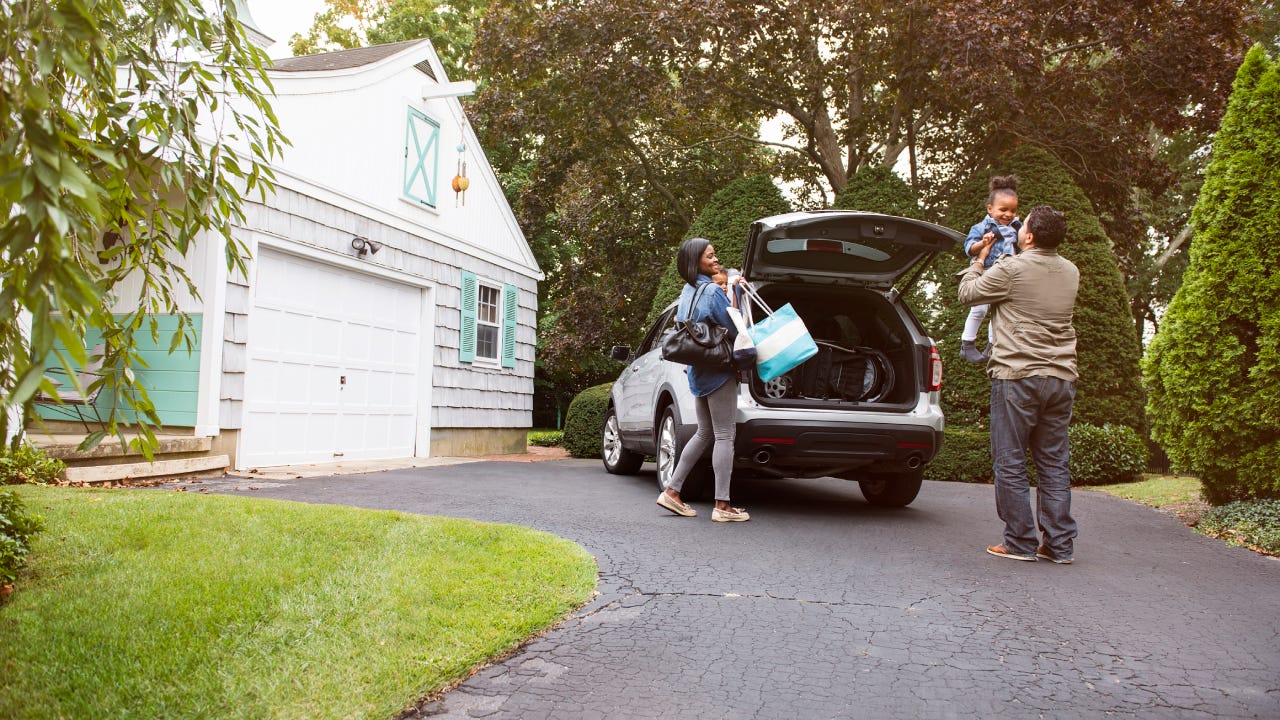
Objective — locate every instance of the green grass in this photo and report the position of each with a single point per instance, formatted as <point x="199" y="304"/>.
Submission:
<point x="1157" y="490"/>
<point x="151" y="604"/>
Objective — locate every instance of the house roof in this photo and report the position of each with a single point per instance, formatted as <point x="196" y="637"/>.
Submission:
<point x="341" y="59"/>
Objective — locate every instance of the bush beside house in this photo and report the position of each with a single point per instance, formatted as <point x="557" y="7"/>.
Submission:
<point x="17" y="527"/>
<point x="584" y="420"/>
<point x="1213" y="369"/>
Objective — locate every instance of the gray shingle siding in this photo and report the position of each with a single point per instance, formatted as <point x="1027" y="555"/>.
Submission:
<point x="463" y="395"/>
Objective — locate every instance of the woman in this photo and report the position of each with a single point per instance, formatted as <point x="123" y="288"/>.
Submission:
<point x="715" y="390"/>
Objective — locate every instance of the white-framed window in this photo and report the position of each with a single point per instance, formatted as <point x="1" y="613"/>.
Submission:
<point x="487" y="332"/>
<point x="488" y="322"/>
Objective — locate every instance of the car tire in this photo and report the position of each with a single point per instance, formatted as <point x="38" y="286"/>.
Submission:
<point x="618" y="460"/>
<point x="668" y="450"/>
<point x="892" y="489"/>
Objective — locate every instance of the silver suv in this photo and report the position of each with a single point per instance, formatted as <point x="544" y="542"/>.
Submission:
<point x="865" y="408"/>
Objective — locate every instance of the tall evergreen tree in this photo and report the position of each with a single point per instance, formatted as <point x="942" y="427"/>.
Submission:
<point x="875" y="188"/>
<point x="724" y="221"/>
<point x="1213" y="370"/>
<point x="1109" y="390"/>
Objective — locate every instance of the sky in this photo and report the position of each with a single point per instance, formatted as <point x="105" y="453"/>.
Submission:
<point x="280" y="19"/>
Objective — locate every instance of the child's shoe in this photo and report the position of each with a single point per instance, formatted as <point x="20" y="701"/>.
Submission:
<point x="969" y="352"/>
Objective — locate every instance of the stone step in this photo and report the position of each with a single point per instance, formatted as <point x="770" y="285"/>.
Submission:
<point x="180" y="467"/>
<point x="64" y="447"/>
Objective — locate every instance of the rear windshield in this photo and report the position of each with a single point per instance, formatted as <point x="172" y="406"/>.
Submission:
<point x="841" y="256"/>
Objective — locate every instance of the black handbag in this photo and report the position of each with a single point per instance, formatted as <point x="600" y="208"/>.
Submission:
<point x="699" y="343"/>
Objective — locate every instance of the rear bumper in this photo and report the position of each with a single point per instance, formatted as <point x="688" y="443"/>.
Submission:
<point x="782" y="444"/>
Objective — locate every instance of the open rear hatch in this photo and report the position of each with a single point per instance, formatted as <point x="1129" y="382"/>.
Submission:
<point x="842" y="247"/>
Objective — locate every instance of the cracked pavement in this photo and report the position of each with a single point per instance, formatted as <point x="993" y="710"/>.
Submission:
<point x="823" y="606"/>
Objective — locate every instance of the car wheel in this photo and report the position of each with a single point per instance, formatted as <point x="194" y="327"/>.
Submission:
<point x="668" y="444"/>
<point x="891" y="489"/>
<point x="617" y="459"/>
<point x="668" y="456"/>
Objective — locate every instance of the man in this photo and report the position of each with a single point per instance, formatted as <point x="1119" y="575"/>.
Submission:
<point x="1033" y="384"/>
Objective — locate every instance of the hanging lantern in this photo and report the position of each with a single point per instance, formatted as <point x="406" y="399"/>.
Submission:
<point x="460" y="181"/>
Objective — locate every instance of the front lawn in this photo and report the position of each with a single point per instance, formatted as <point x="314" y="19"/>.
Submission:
<point x="151" y="604"/>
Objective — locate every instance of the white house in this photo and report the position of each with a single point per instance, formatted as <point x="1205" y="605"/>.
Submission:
<point x="383" y="315"/>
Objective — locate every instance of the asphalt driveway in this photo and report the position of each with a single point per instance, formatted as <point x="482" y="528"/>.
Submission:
<point x="826" y="607"/>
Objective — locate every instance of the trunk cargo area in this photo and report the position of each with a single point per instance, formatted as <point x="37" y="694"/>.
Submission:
<point x="866" y="356"/>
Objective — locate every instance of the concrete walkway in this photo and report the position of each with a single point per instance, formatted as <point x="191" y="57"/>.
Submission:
<point x="825" y="607"/>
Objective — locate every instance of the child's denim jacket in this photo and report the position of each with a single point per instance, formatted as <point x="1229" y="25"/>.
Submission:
<point x="1005" y="244"/>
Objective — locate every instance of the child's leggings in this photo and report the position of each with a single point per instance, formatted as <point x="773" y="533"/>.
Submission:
<point x="971" y="325"/>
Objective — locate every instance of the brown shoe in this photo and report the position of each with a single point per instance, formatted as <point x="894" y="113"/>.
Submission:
<point x="1044" y="552"/>
<point x="1002" y="551"/>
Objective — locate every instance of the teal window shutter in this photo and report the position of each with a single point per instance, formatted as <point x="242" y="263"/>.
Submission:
<point x="467" y="329"/>
<point x="421" y="158"/>
<point x="510" y="305"/>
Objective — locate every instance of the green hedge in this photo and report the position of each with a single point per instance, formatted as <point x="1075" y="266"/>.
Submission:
<point x="584" y="420"/>
<point x="546" y="438"/>
<point x="16" y="530"/>
<point x="965" y="457"/>
<point x="1099" y="456"/>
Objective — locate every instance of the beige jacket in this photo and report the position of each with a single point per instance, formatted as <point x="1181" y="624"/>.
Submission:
<point x="1033" y="298"/>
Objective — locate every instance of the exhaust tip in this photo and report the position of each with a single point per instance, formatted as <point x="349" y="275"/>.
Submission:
<point x="914" y="462"/>
<point x="763" y="456"/>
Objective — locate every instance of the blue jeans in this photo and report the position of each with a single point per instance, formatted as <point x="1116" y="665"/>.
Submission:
<point x="1033" y="413"/>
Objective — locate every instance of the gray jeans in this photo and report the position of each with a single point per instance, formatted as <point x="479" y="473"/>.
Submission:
<point x="1033" y="413"/>
<point x="716" y="414"/>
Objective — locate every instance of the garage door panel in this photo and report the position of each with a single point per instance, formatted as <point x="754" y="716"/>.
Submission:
<point x="334" y="357"/>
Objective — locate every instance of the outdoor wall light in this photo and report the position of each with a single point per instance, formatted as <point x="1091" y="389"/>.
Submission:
<point x="365" y="246"/>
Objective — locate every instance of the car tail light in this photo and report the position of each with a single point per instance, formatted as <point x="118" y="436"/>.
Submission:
<point x="935" y="369"/>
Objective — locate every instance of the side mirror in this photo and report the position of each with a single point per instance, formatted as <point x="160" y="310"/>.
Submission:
<point x="621" y="353"/>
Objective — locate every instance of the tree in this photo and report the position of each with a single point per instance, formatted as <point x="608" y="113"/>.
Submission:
<point x="1213" y="370"/>
<point x="876" y="188"/>
<point x="1109" y="389"/>
<point x="724" y="221"/>
<point x="117" y="121"/>
<point x="346" y="24"/>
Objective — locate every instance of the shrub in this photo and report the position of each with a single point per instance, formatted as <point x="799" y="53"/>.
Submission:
<point x="546" y="438"/>
<point x="1107" y="347"/>
<point x="724" y="221"/>
<point x="584" y="420"/>
<point x="875" y="188"/>
<point x="1213" y="369"/>
<point x="1105" y="455"/>
<point x="28" y="464"/>
<point x="965" y="457"/>
<point x="1099" y="455"/>
<point x="1251" y="523"/>
<point x="16" y="530"/>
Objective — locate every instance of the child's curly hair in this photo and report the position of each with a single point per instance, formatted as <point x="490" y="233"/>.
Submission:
<point x="1002" y="185"/>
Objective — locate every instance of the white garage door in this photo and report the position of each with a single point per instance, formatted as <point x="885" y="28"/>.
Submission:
<point x="333" y="365"/>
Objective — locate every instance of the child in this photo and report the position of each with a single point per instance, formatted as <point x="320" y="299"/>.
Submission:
<point x="1000" y="231"/>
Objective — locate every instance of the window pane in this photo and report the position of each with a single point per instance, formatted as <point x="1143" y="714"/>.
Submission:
<point x="487" y="341"/>
<point x="488" y="310"/>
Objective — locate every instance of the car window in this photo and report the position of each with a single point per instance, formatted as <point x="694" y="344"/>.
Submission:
<point x="664" y="325"/>
<point x="840" y="255"/>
